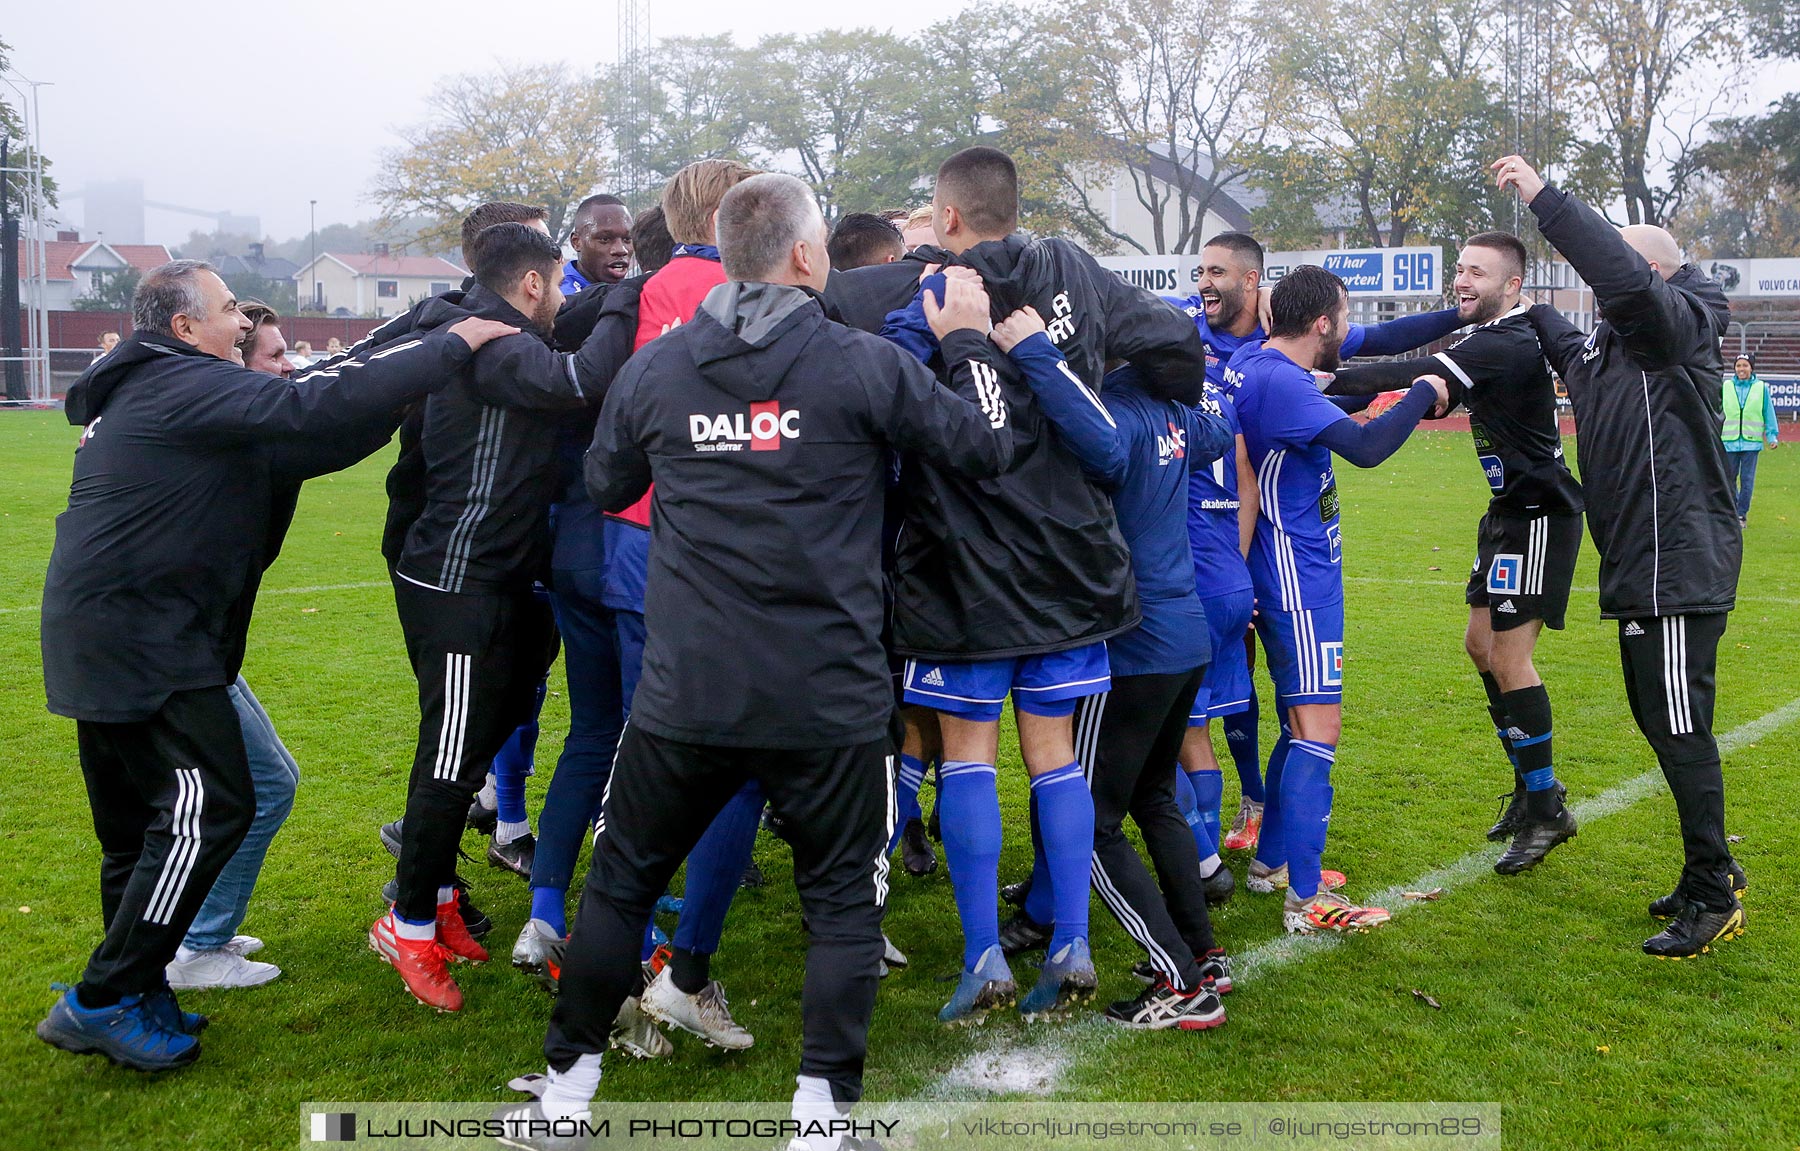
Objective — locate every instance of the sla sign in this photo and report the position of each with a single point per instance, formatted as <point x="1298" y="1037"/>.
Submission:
<point x="1365" y="271"/>
<point x="1369" y="271"/>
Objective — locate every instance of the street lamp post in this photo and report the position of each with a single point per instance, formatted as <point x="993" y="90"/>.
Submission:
<point x="312" y="219"/>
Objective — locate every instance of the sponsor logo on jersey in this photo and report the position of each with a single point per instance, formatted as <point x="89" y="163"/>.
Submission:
<point x="1328" y="497"/>
<point x="1591" y="350"/>
<point x="1062" y="326"/>
<point x="1632" y="628"/>
<point x="1495" y="471"/>
<point x="1219" y="505"/>
<point x="1331" y="659"/>
<point x="762" y="428"/>
<point x="87" y="433"/>
<point x="1506" y="606"/>
<point x="933" y="678"/>
<point x="1503" y="576"/>
<point x="1171" y="447"/>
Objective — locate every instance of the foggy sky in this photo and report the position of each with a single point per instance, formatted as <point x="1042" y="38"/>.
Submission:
<point x="290" y="102"/>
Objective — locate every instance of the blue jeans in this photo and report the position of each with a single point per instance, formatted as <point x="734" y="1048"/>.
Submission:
<point x="275" y="776"/>
<point x="590" y="639"/>
<point x="1741" y="467"/>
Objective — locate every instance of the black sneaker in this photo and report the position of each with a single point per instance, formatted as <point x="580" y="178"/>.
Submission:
<point x="1015" y="893"/>
<point x="1694" y="930"/>
<point x="515" y="857"/>
<point x="752" y="877"/>
<point x="915" y="849"/>
<point x="1161" y="1007"/>
<point x="1219" y="885"/>
<point x="1513" y="816"/>
<point x="1215" y="968"/>
<point x="1534" y="840"/>
<point x="1670" y="905"/>
<point x="390" y="837"/>
<point x="481" y="817"/>
<point x="1023" y="933"/>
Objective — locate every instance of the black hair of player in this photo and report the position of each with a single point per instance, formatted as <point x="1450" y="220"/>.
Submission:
<point x="1505" y="243"/>
<point x="982" y="183"/>
<point x="1301" y="297"/>
<point x="505" y="252"/>
<point x="1242" y="243"/>
<point x="599" y="200"/>
<point x="863" y="238"/>
<point x="651" y="243"/>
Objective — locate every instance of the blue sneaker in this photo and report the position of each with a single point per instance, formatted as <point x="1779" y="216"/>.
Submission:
<point x="163" y="1007"/>
<point x="670" y="904"/>
<point x="990" y="985"/>
<point x="128" y="1033"/>
<point x="1066" y="980"/>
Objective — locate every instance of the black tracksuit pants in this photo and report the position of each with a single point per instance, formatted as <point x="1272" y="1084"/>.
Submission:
<point x="1670" y="665"/>
<point x="172" y="799"/>
<point x="1128" y="740"/>
<point x="838" y="805"/>
<point x="478" y="659"/>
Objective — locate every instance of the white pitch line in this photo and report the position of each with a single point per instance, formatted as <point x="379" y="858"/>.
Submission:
<point x="323" y="587"/>
<point x="1010" y="1067"/>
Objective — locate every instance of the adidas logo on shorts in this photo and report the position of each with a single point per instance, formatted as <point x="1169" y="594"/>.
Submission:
<point x="934" y="678"/>
<point x="1632" y="628"/>
<point x="1506" y="606"/>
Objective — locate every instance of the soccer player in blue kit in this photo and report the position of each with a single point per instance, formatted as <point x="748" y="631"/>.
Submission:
<point x="1292" y="431"/>
<point x="1227" y="311"/>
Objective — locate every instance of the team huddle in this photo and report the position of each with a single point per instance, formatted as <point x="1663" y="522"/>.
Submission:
<point x="802" y="509"/>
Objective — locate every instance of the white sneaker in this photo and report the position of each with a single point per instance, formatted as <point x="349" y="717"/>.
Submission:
<point x="198" y="970"/>
<point x="243" y="945"/>
<point x="704" y="1013"/>
<point x="892" y="958"/>
<point x="636" y="1035"/>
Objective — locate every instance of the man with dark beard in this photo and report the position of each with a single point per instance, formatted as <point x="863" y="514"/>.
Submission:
<point x="1529" y="538"/>
<point x="478" y="638"/>
<point x="1291" y="432"/>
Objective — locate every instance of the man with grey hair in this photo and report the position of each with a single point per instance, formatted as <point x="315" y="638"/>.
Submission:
<point x="146" y="607"/>
<point x="1648" y="412"/>
<point x="767" y="429"/>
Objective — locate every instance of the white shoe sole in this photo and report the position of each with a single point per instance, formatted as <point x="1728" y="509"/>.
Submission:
<point x="669" y="1019"/>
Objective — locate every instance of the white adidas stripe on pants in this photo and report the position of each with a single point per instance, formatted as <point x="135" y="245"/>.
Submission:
<point x="190" y="800"/>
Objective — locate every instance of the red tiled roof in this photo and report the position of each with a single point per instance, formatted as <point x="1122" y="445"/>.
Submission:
<point x="367" y="264"/>
<point x="60" y="254"/>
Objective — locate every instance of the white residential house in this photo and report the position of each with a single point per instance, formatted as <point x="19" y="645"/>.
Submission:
<point x="77" y="268"/>
<point x="373" y="283"/>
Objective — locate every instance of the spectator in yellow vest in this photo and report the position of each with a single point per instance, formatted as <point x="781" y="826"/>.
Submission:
<point x="1749" y="423"/>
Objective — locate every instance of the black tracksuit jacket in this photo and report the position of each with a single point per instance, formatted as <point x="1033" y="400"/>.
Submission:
<point x="170" y="525"/>
<point x="1032" y="561"/>
<point x="489" y="445"/>
<point x="768" y="441"/>
<point x="1648" y="415"/>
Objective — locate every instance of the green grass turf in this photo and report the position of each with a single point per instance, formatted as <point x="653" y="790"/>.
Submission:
<point x="1547" y="1005"/>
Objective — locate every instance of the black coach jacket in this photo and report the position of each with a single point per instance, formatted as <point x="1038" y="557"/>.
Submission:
<point x="862" y="297"/>
<point x="169" y="524"/>
<point x="1648" y="415"/>
<point x="767" y="429"/>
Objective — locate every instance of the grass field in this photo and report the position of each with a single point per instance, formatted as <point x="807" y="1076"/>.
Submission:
<point x="1547" y="1005"/>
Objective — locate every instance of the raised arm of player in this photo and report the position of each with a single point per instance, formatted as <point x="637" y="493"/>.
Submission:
<point x="1658" y="324"/>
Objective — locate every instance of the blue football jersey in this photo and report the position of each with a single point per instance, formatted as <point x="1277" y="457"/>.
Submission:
<point x="1219" y="568"/>
<point x="1296" y="555"/>
<point x="1221" y="347"/>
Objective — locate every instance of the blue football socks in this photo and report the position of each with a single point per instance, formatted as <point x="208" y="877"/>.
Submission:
<point x="1066" y="821"/>
<point x="1306" y="796"/>
<point x="969" y="815"/>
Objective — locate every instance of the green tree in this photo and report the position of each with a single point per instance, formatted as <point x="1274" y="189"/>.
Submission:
<point x="533" y="133"/>
<point x="1646" y="77"/>
<point x="1397" y="110"/>
<point x="851" y="111"/>
<point x="697" y="106"/>
<point x="12" y="129"/>
<point x="1749" y="202"/>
